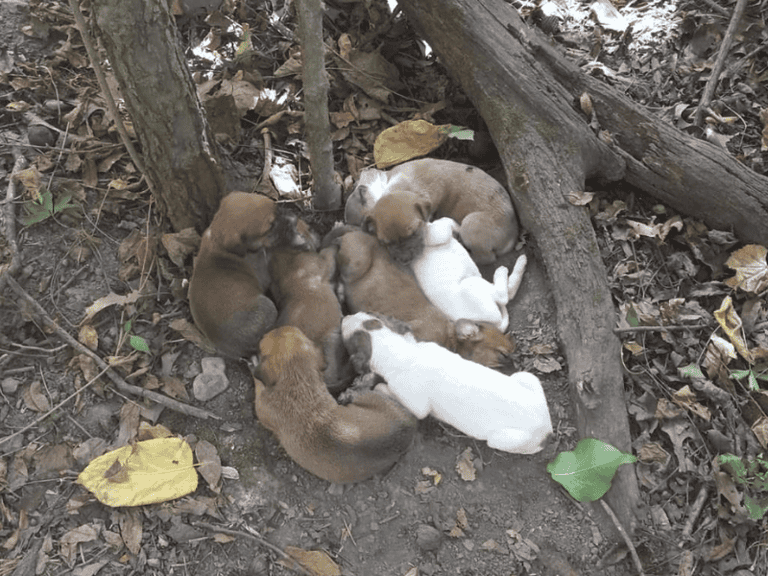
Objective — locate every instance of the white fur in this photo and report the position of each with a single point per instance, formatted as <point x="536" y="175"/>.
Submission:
<point x="452" y="281"/>
<point x="510" y="412"/>
<point x="370" y="187"/>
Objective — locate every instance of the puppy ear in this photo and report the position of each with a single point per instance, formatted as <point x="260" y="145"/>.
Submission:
<point x="424" y="208"/>
<point x="360" y="349"/>
<point x="369" y="225"/>
<point x="467" y="331"/>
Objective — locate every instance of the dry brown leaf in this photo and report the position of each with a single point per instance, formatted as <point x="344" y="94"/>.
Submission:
<point x="686" y="398"/>
<point x="731" y="324"/>
<point x="131" y="529"/>
<point x="68" y="544"/>
<point x="110" y="299"/>
<point x="129" y="424"/>
<point x="35" y="399"/>
<point x="88" y="337"/>
<point x="209" y="464"/>
<point x="465" y="467"/>
<point x="652" y="452"/>
<point x="180" y="245"/>
<point x="406" y="141"/>
<point x="579" y="197"/>
<point x="760" y="430"/>
<point x="316" y="561"/>
<point x="751" y="269"/>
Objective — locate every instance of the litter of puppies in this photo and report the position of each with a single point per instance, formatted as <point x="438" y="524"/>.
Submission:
<point x="420" y="316"/>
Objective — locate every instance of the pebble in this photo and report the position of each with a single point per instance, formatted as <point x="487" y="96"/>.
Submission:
<point x="9" y="385"/>
<point x="212" y="381"/>
<point x="428" y="538"/>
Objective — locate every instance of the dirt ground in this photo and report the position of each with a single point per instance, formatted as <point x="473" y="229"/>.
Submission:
<point x="421" y="518"/>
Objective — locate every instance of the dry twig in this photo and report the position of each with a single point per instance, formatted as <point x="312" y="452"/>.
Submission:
<point x="121" y="384"/>
<point x="625" y="536"/>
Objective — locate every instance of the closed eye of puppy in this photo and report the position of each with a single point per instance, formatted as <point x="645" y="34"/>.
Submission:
<point x="509" y="412"/>
<point x="373" y="282"/>
<point x="340" y="444"/>
<point x="302" y="289"/>
<point x="230" y="276"/>
<point x="426" y="188"/>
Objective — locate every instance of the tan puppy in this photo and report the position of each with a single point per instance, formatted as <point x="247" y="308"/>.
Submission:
<point x="373" y="282"/>
<point x="226" y="291"/>
<point x="420" y="190"/>
<point x="301" y="286"/>
<point x="337" y="443"/>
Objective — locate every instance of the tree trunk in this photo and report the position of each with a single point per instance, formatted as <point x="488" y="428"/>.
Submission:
<point x="327" y="191"/>
<point x="548" y="151"/>
<point x="139" y="37"/>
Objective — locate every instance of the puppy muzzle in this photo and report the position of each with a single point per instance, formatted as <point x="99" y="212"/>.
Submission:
<point x="405" y="251"/>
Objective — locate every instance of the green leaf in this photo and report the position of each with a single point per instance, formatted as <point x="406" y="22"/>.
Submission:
<point x="138" y="343"/>
<point x="734" y="466"/>
<point x="691" y="371"/>
<point x="739" y="374"/>
<point x="461" y="133"/>
<point x="756" y="507"/>
<point x="127" y="326"/>
<point x="587" y="471"/>
<point x="632" y="318"/>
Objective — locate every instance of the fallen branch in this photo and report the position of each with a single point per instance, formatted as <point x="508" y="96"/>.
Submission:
<point x="625" y="536"/>
<point x="121" y="384"/>
<point x="714" y="78"/>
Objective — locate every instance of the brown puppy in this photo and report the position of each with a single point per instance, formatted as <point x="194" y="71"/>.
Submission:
<point x="420" y="190"/>
<point x="373" y="282"/>
<point x="301" y="286"/>
<point x="226" y="291"/>
<point x="337" y="443"/>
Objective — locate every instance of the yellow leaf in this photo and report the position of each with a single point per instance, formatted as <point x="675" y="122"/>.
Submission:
<point x="406" y="141"/>
<point x="731" y="324"/>
<point x="145" y="473"/>
<point x="751" y="269"/>
<point x="110" y="300"/>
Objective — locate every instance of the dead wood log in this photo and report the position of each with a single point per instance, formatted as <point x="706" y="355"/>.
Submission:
<point x="528" y="95"/>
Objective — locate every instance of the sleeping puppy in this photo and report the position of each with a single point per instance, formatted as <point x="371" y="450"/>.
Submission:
<point x="337" y="443"/>
<point x="452" y="281"/>
<point x="302" y="289"/>
<point x="370" y="187"/>
<point x="420" y="190"/>
<point x="373" y="282"/>
<point x="230" y="276"/>
<point x="510" y="412"/>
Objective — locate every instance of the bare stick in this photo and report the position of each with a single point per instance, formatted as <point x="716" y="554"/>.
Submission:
<point x="293" y="564"/>
<point x="627" y="540"/>
<point x="9" y="216"/>
<point x="698" y="504"/>
<point x="709" y="89"/>
<point x="121" y="384"/>
<point x="657" y="328"/>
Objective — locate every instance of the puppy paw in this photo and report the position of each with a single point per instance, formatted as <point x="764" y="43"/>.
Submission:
<point x="516" y="277"/>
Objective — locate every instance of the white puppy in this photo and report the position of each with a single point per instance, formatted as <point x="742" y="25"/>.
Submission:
<point x="510" y="412"/>
<point x="452" y="281"/>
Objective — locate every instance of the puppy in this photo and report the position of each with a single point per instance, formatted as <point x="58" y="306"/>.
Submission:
<point x="337" y="443"/>
<point x="370" y="187"/>
<point x="419" y="190"/>
<point x="302" y="289"/>
<point x="230" y="276"/>
<point x="509" y="412"/>
<point x="373" y="282"/>
<point x="452" y="281"/>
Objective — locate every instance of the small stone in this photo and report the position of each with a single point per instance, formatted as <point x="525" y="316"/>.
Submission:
<point x="9" y="385"/>
<point x="428" y="538"/>
<point x="212" y="381"/>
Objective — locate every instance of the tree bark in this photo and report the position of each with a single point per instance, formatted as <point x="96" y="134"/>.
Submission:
<point x="548" y="151"/>
<point x="139" y="37"/>
<point x="327" y="191"/>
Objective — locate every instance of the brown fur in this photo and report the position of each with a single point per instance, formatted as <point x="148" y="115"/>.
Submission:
<point x="428" y="188"/>
<point x="337" y="443"/>
<point x="226" y="291"/>
<point x="374" y="283"/>
<point x="301" y="286"/>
